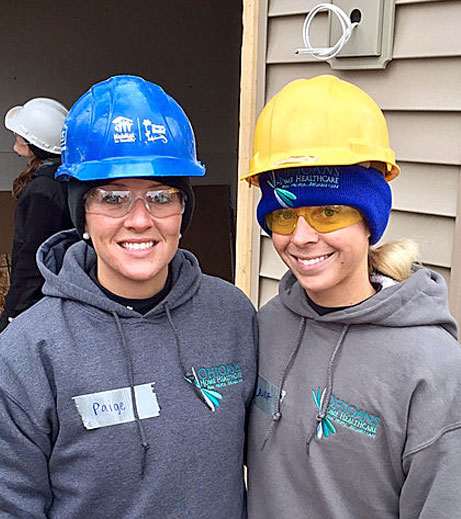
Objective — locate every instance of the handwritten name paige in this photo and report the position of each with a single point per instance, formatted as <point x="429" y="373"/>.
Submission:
<point x="99" y="409"/>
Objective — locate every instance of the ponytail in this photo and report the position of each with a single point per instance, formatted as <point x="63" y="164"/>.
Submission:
<point x="394" y="259"/>
<point x="21" y="181"/>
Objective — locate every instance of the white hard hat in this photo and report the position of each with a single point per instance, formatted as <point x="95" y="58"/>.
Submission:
<point x="39" y="121"/>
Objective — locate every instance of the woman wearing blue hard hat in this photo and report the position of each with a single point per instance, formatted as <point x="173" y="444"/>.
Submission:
<point x="123" y="393"/>
<point x="356" y="413"/>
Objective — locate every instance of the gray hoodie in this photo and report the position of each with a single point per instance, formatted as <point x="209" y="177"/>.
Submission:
<point x="357" y="413"/>
<point x="108" y="413"/>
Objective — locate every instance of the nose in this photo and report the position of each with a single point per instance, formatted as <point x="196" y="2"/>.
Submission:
<point x="304" y="233"/>
<point x="139" y="217"/>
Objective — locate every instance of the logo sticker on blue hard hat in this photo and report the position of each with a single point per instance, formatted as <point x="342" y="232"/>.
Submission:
<point x="154" y="132"/>
<point x="63" y="140"/>
<point x="123" y="129"/>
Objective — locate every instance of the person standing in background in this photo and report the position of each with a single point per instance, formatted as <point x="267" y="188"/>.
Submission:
<point x="41" y="209"/>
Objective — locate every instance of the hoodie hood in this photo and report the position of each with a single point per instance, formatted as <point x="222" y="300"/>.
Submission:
<point x="48" y="167"/>
<point x="65" y="260"/>
<point x="420" y="300"/>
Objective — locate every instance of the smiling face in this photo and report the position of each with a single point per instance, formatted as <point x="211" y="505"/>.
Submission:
<point x="134" y="251"/>
<point x="331" y="267"/>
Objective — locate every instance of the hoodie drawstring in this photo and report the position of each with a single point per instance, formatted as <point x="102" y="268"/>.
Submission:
<point x="142" y="435"/>
<point x="178" y="342"/>
<point x="190" y="376"/>
<point x="329" y="387"/>
<point x="277" y="415"/>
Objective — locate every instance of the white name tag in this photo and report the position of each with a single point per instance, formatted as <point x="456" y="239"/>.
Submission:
<point x="115" y="406"/>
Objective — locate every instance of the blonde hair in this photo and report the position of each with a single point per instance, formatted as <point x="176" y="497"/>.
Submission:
<point x="394" y="259"/>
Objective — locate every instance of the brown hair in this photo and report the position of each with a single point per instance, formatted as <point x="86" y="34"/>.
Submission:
<point x="21" y="181"/>
<point x="394" y="259"/>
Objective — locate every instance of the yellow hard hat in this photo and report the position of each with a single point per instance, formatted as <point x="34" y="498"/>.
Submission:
<point x="322" y="121"/>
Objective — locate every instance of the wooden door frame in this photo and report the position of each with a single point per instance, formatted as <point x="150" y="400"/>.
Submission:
<point x="252" y="87"/>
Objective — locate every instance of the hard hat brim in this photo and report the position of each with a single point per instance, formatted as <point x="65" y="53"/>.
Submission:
<point x="392" y="169"/>
<point x="131" y="168"/>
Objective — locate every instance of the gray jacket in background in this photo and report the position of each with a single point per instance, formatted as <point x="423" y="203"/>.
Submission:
<point x="384" y="379"/>
<point x="71" y="442"/>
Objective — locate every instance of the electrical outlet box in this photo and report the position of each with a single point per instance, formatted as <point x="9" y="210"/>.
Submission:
<point x="371" y="42"/>
<point x="367" y="36"/>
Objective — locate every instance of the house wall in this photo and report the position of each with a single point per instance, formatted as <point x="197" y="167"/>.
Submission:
<point x="420" y="94"/>
<point x="59" y="49"/>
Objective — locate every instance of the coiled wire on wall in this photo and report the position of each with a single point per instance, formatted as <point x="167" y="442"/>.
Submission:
<point x="325" y="53"/>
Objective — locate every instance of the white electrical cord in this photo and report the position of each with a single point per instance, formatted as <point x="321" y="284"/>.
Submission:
<point x="347" y="27"/>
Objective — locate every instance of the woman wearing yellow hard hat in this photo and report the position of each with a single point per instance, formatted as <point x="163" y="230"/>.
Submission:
<point x="356" y="411"/>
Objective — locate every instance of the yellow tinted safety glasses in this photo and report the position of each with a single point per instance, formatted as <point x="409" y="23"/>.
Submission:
<point x="322" y="218"/>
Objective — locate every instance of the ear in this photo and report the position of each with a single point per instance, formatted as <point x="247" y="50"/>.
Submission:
<point x="367" y="229"/>
<point x="86" y="234"/>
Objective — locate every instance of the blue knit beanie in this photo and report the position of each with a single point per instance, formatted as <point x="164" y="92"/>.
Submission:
<point x="356" y="186"/>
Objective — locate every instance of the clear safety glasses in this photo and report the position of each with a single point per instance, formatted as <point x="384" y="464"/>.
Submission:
<point x="117" y="203"/>
<point x="322" y="218"/>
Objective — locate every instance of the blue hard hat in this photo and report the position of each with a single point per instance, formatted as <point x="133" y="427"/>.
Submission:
<point x="127" y="127"/>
